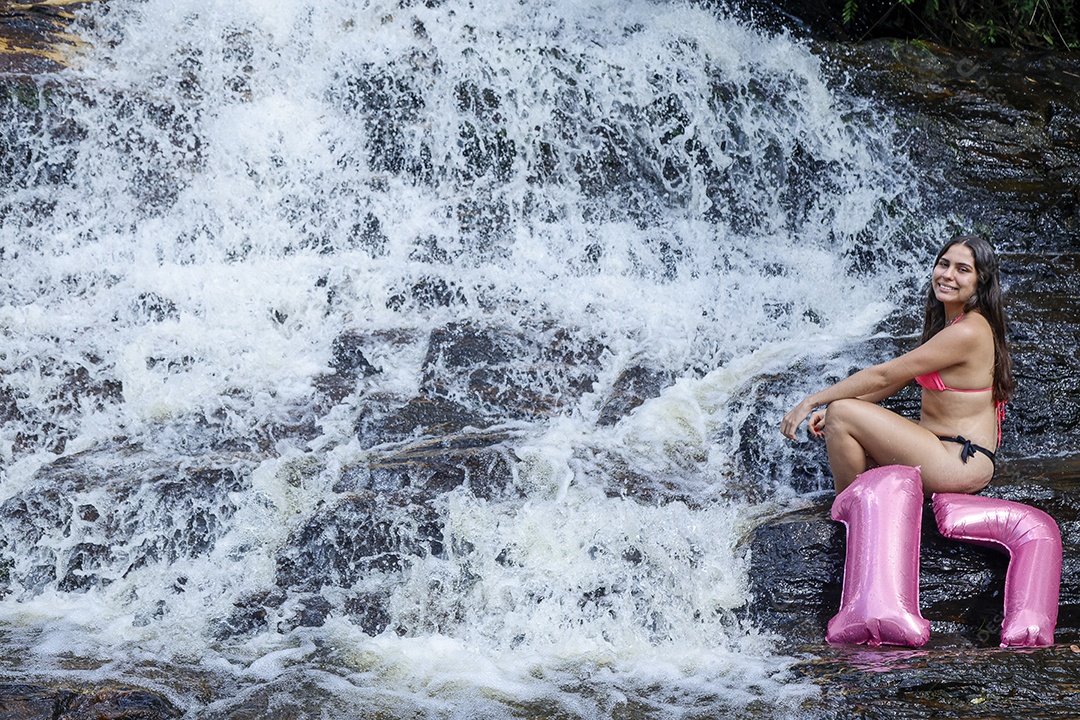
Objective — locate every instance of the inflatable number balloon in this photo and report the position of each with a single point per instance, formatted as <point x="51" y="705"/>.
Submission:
<point x="1033" y="541"/>
<point x="879" y="604"/>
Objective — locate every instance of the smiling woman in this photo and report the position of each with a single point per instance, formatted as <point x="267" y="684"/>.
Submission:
<point x="964" y="369"/>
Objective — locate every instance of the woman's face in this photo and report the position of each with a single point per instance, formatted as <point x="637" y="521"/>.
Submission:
<point x="954" y="277"/>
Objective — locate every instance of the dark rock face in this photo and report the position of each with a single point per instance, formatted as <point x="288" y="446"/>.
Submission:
<point x="512" y="374"/>
<point x="798" y="565"/>
<point x="995" y="134"/>
<point x="32" y="702"/>
<point x="475" y="376"/>
<point x="797" y="562"/>
<point x="350" y="367"/>
<point x="480" y="461"/>
<point x="383" y="521"/>
<point x="952" y="684"/>
<point x="634" y="386"/>
<point x="35" y="35"/>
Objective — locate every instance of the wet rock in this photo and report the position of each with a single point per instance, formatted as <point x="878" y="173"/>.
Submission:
<point x="356" y="535"/>
<point x="118" y="704"/>
<point x="350" y="366"/>
<point x="9" y="406"/>
<point x="946" y="683"/>
<point x="84" y="566"/>
<point x="87" y="519"/>
<point x="150" y="307"/>
<point x="797" y="565"/>
<point x="1044" y="312"/>
<point x="425" y="294"/>
<point x="369" y="612"/>
<point x="84" y="388"/>
<point x="511" y="374"/>
<point x="797" y="570"/>
<point x="281" y="700"/>
<point x="365" y="538"/>
<point x="34" y="702"/>
<point x="387" y="422"/>
<point x="474" y="377"/>
<point x="34" y="35"/>
<point x="994" y="134"/>
<point x="479" y="461"/>
<point x="384" y="520"/>
<point x="77" y="390"/>
<point x="348" y="355"/>
<point x="297" y="424"/>
<point x="369" y="235"/>
<point x="262" y="611"/>
<point x="250" y="614"/>
<point x="312" y="612"/>
<point x="634" y="386"/>
<point x="804" y="19"/>
<point x="27" y="702"/>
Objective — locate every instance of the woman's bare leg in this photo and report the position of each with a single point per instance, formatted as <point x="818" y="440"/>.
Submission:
<point x="859" y="434"/>
<point x="847" y="457"/>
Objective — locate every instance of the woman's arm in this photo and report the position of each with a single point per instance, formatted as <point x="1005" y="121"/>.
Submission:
<point x="866" y="383"/>
<point x="949" y="347"/>
<point x="886" y="393"/>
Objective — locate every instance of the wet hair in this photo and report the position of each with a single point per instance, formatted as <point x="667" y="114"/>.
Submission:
<point x="986" y="300"/>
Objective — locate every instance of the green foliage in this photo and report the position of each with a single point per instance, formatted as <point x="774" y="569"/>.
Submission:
<point x="851" y="7"/>
<point x="993" y="23"/>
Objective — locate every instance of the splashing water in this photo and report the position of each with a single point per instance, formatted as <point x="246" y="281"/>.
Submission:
<point x="214" y="196"/>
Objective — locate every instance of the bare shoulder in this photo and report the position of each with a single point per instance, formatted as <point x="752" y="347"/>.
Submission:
<point x="972" y="339"/>
<point x="972" y="327"/>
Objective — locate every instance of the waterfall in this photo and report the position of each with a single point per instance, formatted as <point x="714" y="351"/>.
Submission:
<point x="244" y="244"/>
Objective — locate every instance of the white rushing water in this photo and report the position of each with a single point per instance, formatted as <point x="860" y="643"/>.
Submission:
<point x="216" y="192"/>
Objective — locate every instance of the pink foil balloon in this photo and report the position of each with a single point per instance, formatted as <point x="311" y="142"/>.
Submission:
<point x="1033" y="541"/>
<point x="879" y="604"/>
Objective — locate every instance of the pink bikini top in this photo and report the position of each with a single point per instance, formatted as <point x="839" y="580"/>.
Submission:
<point x="933" y="381"/>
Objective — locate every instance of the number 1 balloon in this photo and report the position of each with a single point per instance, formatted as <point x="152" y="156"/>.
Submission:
<point x="879" y="604"/>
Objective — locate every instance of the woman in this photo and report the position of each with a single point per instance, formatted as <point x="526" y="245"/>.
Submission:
<point x="964" y="369"/>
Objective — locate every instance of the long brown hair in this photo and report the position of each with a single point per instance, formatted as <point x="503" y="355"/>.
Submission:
<point x="986" y="300"/>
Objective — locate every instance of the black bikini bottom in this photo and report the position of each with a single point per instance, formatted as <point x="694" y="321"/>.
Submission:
<point x="970" y="448"/>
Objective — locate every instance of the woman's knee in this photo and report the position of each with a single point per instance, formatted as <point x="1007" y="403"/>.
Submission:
<point x="840" y="413"/>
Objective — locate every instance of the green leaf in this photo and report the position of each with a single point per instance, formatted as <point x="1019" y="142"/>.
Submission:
<point x="850" y="8"/>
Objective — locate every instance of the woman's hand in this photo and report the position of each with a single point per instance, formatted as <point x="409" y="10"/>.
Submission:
<point x="793" y="419"/>
<point x="816" y="424"/>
